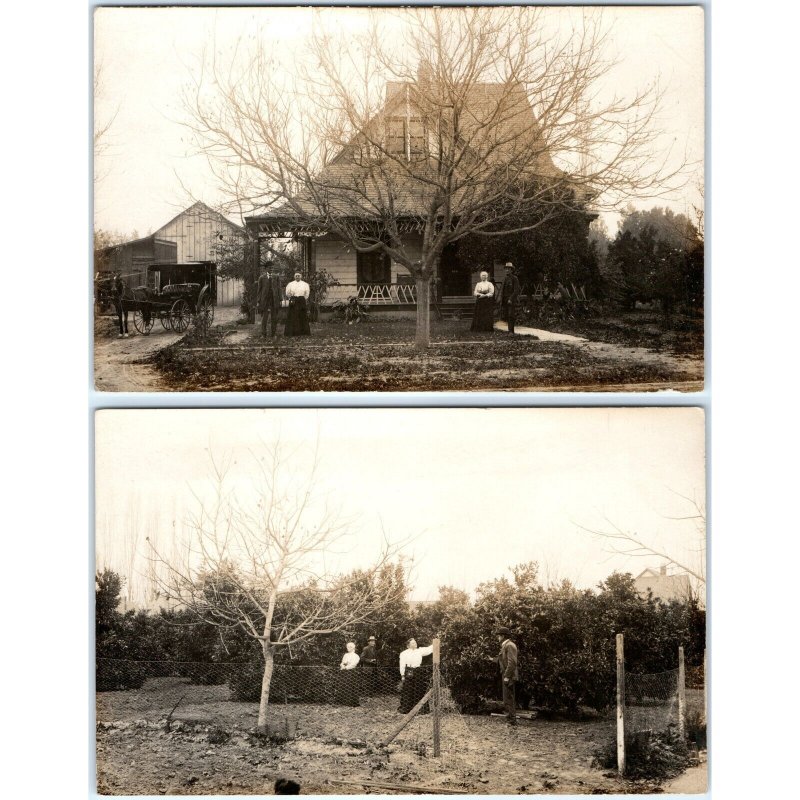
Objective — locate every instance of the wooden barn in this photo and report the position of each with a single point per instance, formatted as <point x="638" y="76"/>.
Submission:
<point x="195" y="232"/>
<point x="132" y="259"/>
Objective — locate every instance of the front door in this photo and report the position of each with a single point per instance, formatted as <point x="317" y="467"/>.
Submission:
<point x="455" y="279"/>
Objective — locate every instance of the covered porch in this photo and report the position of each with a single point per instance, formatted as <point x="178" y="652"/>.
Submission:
<point x="373" y="277"/>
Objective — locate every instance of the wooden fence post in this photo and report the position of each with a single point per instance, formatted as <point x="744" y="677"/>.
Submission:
<point x="681" y="694"/>
<point x="621" y="703"/>
<point x="436" y="687"/>
<point x="407" y="718"/>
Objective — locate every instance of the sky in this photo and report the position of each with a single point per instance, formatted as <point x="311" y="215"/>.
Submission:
<point x="149" y="171"/>
<point x="471" y="492"/>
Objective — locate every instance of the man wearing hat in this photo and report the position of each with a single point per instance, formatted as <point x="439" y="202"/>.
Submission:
<point x="509" y="295"/>
<point x="369" y="663"/>
<point x="509" y="672"/>
<point x="268" y="294"/>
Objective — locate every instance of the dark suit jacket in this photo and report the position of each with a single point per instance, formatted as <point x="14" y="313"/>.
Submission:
<point x="269" y="292"/>
<point x="511" y="289"/>
<point x="508" y="661"/>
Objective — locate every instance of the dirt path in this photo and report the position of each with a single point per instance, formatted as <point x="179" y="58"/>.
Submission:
<point x="623" y="354"/>
<point x="693" y="781"/>
<point x="118" y="363"/>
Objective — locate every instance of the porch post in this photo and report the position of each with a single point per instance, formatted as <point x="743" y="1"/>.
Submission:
<point x="251" y="295"/>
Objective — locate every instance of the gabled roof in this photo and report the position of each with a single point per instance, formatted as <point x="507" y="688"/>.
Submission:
<point x="354" y="190"/>
<point x="152" y="237"/>
<point x="663" y="587"/>
<point x="201" y="208"/>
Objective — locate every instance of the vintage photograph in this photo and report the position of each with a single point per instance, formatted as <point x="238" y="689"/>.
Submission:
<point x="399" y="199"/>
<point x="400" y="601"/>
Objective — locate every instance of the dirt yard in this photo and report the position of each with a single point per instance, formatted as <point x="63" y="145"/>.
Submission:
<point x="379" y="356"/>
<point x="210" y="747"/>
<point x="123" y="365"/>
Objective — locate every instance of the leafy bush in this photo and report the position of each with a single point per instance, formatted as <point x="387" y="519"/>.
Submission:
<point x="566" y="640"/>
<point x="649" y="755"/>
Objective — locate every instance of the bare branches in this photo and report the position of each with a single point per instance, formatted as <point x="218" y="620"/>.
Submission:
<point x="260" y="562"/>
<point x="470" y="121"/>
<point x="621" y="542"/>
<point x="472" y="105"/>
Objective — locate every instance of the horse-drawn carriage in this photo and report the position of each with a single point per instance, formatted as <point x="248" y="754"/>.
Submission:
<point x="174" y="304"/>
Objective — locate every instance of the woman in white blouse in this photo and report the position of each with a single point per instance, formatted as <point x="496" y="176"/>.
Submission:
<point x="414" y="677"/>
<point x="483" y="316"/>
<point x="348" y="681"/>
<point x="297" y="292"/>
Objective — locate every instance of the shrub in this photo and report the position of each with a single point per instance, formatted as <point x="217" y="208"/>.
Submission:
<point x="648" y="754"/>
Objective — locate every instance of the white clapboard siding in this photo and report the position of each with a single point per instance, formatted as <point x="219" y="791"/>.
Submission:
<point x="334" y="256"/>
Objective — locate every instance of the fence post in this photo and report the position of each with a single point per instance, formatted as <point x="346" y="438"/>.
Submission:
<point x="621" y="703"/>
<point x="436" y="701"/>
<point x="681" y="694"/>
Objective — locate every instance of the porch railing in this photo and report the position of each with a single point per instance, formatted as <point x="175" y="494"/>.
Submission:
<point x="377" y="294"/>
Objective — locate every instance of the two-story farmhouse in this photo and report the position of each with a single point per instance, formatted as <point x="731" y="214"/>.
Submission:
<point x="387" y="184"/>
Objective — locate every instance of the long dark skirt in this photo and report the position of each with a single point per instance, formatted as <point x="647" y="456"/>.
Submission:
<point x="483" y="316"/>
<point x="347" y="688"/>
<point x="416" y="683"/>
<point x="297" y="318"/>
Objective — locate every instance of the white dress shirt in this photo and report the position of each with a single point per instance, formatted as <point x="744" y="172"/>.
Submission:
<point x="413" y="658"/>
<point x="350" y="661"/>
<point x="484" y="289"/>
<point x="298" y="289"/>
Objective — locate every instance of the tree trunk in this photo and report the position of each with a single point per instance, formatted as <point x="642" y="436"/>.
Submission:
<point x="423" y="334"/>
<point x="266" y="681"/>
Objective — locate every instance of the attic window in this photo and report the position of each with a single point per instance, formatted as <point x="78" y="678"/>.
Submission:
<point x="405" y="132"/>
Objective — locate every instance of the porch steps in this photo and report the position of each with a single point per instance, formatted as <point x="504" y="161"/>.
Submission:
<point x="456" y="307"/>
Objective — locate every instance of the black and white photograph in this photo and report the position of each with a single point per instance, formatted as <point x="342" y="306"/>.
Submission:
<point x="399" y="199"/>
<point x="400" y="601"/>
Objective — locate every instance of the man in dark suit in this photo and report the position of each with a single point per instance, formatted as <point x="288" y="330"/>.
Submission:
<point x="369" y="665"/>
<point x="509" y="296"/>
<point x="268" y="299"/>
<point x="509" y="672"/>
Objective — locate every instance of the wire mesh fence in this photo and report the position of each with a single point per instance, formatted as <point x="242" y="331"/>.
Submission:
<point x="242" y="681"/>
<point x="651" y="702"/>
<point x="363" y="705"/>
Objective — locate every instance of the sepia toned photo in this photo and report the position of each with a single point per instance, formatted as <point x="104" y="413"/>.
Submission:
<point x="399" y="199"/>
<point x="400" y="601"/>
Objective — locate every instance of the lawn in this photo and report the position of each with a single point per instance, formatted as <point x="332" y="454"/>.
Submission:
<point x="379" y="356"/>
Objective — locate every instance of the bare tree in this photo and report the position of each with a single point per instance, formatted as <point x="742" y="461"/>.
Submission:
<point x="483" y="121"/>
<point x="632" y="544"/>
<point x="261" y="565"/>
<point x="102" y="126"/>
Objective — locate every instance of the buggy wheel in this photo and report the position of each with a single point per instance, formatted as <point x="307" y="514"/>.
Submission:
<point x="205" y="315"/>
<point x="141" y="323"/>
<point x="165" y="318"/>
<point x="180" y="316"/>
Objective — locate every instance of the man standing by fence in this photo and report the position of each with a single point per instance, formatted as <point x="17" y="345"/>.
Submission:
<point x="509" y="672"/>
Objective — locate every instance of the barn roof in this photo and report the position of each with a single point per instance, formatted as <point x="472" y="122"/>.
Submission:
<point x="201" y="208"/>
